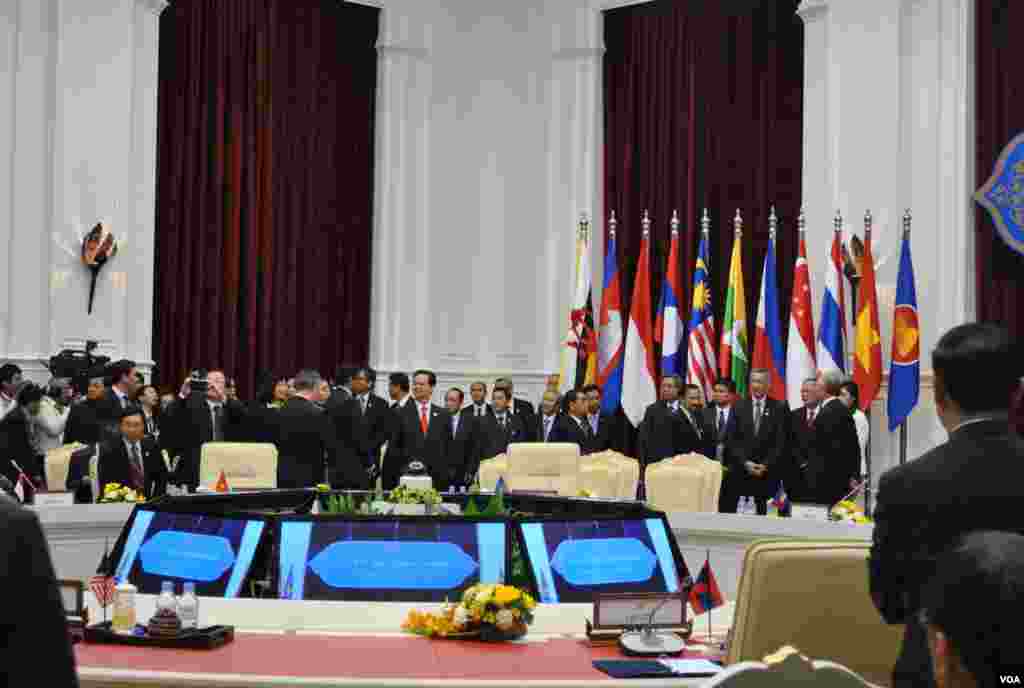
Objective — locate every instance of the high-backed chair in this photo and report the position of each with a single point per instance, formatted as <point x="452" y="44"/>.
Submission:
<point x="626" y="472"/>
<point x="599" y="478"/>
<point x="673" y="485"/>
<point x="492" y="469"/>
<point x="787" y="668"/>
<point x="813" y="595"/>
<point x="246" y="465"/>
<point x="58" y="462"/>
<point x="544" y="466"/>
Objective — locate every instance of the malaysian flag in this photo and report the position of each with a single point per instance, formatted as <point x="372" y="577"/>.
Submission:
<point x="700" y="354"/>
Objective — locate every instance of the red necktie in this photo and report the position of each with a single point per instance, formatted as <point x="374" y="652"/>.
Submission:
<point x="423" y="419"/>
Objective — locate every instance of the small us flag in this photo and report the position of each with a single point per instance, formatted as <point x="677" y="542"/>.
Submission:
<point x="102" y="588"/>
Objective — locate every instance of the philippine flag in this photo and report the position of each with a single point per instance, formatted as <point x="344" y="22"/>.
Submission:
<point x="609" y="343"/>
<point x="668" y="329"/>
<point x="832" y="328"/>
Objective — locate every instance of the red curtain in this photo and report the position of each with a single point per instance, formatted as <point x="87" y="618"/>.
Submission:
<point x="264" y="186"/>
<point x="704" y="108"/>
<point x="999" y="109"/>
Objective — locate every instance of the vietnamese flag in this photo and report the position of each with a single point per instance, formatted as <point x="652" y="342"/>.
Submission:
<point x="867" y="359"/>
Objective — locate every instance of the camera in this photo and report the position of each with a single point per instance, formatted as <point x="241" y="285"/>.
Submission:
<point x="198" y="381"/>
<point x="74" y="364"/>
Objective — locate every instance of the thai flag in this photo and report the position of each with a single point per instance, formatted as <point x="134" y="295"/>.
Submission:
<point x="700" y="352"/>
<point x="832" y="328"/>
<point x="769" y="353"/>
<point x="638" y="372"/>
<point x="609" y="343"/>
<point x="668" y="330"/>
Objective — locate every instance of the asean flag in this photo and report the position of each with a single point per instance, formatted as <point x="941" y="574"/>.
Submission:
<point x="905" y="369"/>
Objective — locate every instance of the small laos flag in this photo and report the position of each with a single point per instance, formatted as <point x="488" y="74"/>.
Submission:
<point x="705" y="593"/>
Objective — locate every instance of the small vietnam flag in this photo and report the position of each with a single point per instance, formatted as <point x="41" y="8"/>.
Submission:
<point x="222" y="483"/>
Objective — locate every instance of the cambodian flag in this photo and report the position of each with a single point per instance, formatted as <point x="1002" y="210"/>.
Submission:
<point x="668" y="330"/>
<point x="609" y="342"/>
<point x="769" y="353"/>
<point x="832" y="328"/>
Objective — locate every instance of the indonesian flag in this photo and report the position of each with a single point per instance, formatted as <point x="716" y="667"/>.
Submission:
<point x="639" y="373"/>
<point x="800" y="352"/>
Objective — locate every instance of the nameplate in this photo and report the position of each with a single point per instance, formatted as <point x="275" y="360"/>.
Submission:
<point x="55" y="499"/>
<point x="625" y="610"/>
<point x="809" y="512"/>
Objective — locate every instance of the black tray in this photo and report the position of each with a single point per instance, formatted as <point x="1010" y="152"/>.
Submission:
<point x="199" y="639"/>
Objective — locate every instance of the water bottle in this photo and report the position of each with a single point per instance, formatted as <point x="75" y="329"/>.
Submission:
<point x="166" y="599"/>
<point x="124" y="608"/>
<point x="188" y="607"/>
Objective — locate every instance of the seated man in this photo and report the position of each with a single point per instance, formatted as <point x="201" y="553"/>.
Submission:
<point x="971" y="609"/>
<point x="133" y="460"/>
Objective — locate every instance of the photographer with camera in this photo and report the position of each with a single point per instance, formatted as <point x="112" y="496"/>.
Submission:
<point x="51" y="417"/>
<point x="202" y="413"/>
<point x="16" y="450"/>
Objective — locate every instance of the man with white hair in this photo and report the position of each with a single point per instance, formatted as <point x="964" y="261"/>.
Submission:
<point x="833" y="452"/>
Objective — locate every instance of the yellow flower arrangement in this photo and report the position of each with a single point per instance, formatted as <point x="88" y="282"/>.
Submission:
<point x="848" y="511"/>
<point x="490" y="611"/>
<point x="116" y="492"/>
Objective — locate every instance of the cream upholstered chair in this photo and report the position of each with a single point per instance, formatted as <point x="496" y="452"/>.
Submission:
<point x="544" y="466"/>
<point x="787" y="667"/>
<point x="813" y="595"/>
<point x="94" y="474"/>
<point x="688" y="483"/>
<point x="625" y="471"/>
<point x="246" y="465"/>
<point x="491" y="470"/>
<point x="601" y="479"/>
<point x="713" y="474"/>
<point x="58" y="462"/>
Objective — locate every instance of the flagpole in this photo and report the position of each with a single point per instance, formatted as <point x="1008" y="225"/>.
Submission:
<point x="707" y="560"/>
<point x="903" y="426"/>
<point x="867" y="449"/>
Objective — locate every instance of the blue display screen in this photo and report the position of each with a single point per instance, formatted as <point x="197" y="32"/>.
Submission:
<point x="571" y="561"/>
<point x="214" y="552"/>
<point x="389" y="560"/>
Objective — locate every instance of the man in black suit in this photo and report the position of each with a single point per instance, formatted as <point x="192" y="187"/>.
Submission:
<point x="517" y="406"/>
<point x="398" y="397"/>
<point x="133" y="460"/>
<point x="573" y="426"/>
<point x="35" y="647"/>
<point x="362" y="425"/>
<point x="502" y="428"/>
<point x="86" y="419"/>
<point x="548" y="416"/>
<point x="305" y="437"/>
<point x="199" y="417"/>
<point x="464" y="451"/>
<point x="761" y="441"/>
<point x="423" y="432"/>
<point x="833" y="461"/>
<point x="478" y="405"/>
<point x="696" y="434"/>
<point x="600" y="424"/>
<point x="723" y="443"/>
<point x="970" y="483"/>
<point x="801" y="427"/>
<point x="663" y="426"/>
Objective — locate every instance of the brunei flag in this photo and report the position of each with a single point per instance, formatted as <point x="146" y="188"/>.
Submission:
<point x="905" y="369"/>
<point x="705" y="593"/>
<point x="579" y="355"/>
<point x="732" y="360"/>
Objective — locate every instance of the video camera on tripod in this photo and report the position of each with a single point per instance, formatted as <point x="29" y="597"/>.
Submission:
<point x="77" y="364"/>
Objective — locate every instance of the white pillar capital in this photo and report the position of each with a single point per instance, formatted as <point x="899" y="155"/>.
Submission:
<point x="812" y="10"/>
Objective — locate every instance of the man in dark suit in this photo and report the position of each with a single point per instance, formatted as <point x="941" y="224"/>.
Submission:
<point x="362" y="425"/>
<point x="464" y="451"/>
<point x="518" y="407"/>
<point x="133" y="460"/>
<point x="398" y="395"/>
<point x="478" y="405"/>
<point x="502" y="428"/>
<point x="600" y="424"/>
<point x="723" y="443"/>
<point x="970" y="483"/>
<point x="423" y="432"/>
<point x="801" y="426"/>
<point x="548" y="416"/>
<point x="85" y="421"/>
<point x="573" y="426"/>
<point x="833" y="462"/>
<point x="35" y="647"/>
<point x="199" y="417"/>
<point x="662" y="428"/>
<point x="696" y="433"/>
<point x="761" y="441"/>
<point x="305" y="437"/>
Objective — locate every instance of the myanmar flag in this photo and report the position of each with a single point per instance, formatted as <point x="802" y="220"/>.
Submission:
<point x="733" y="361"/>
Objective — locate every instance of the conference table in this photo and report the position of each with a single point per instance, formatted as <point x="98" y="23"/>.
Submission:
<point x="285" y="643"/>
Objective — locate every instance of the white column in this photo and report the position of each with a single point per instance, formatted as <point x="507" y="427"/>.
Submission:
<point x="888" y="124"/>
<point x="77" y="147"/>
